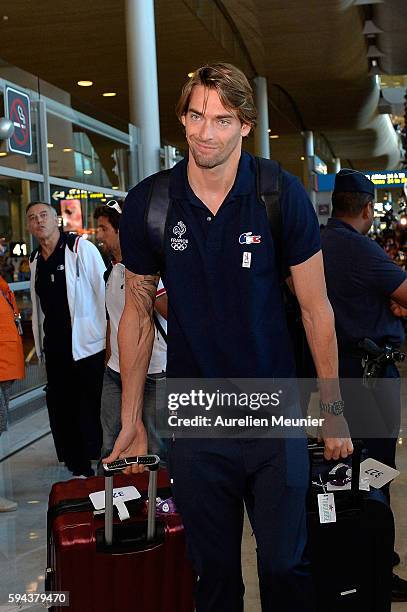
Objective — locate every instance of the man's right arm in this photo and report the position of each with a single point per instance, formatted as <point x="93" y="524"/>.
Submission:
<point x="135" y="339"/>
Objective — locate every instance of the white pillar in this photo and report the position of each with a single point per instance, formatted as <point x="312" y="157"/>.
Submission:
<point x="309" y="156"/>
<point x="309" y="144"/>
<point x="261" y="133"/>
<point x="337" y="165"/>
<point x="142" y="76"/>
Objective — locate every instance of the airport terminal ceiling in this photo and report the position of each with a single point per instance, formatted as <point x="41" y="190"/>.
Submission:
<point x="313" y="53"/>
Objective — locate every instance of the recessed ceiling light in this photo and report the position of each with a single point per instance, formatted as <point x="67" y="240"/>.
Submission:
<point x="302" y="158"/>
<point x="50" y="145"/>
<point x="67" y="150"/>
<point x="274" y="136"/>
<point x="109" y="94"/>
<point x="3" y="154"/>
<point x="269" y="130"/>
<point x="87" y="171"/>
<point x="85" y="83"/>
<point x="5" y="18"/>
<point x="191" y="74"/>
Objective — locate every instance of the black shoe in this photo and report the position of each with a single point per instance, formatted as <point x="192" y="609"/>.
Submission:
<point x="396" y="558"/>
<point x="398" y="588"/>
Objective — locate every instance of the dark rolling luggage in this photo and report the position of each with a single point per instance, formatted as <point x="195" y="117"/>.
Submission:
<point x="351" y="558"/>
<point x="133" y="573"/>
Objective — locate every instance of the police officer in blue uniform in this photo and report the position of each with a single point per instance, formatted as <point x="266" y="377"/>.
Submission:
<point x="226" y="319"/>
<point x="368" y="292"/>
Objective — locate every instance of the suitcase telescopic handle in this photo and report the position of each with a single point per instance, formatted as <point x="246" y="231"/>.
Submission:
<point x="152" y="463"/>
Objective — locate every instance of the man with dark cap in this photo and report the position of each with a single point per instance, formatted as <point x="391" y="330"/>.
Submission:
<point x="368" y="293"/>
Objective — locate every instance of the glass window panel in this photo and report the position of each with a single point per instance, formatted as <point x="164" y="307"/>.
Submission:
<point x="79" y="154"/>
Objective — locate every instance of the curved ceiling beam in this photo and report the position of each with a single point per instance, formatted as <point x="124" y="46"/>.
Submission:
<point x="219" y="23"/>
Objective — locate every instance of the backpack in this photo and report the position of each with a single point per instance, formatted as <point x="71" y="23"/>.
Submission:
<point x="268" y="181"/>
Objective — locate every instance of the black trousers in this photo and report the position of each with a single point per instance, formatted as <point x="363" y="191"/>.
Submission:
<point x="212" y="479"/>
<point x="74" y="391"/>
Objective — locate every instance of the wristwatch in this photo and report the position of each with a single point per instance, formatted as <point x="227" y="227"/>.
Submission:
<point x="335" y="408"/>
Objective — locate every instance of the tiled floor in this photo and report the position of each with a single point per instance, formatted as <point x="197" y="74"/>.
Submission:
<point x="27" y="477"/>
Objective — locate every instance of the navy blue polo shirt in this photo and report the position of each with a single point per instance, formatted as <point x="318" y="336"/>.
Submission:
<point x="226" y="316"/>
<point x="360" y="278"/>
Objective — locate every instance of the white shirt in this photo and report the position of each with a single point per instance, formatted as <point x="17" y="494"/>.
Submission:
<point x="115" y="305"/>
<point x="85" y="290"/>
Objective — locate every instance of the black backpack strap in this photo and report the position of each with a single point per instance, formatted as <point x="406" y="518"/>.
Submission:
<point x="71" y="240"/>
<point x="34" y="255"/>
<point x="107" y="272"/>
<point x="268" y="179"/>
<point x="156" y="214"/>
<point x="160" y="328"/>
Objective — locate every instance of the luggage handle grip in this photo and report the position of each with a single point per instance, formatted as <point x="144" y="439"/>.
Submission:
<point x="317" y="449"/>
<point x="150" y="461"/>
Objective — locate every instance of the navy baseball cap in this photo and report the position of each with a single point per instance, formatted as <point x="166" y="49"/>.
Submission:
<point x="353" y="181"/>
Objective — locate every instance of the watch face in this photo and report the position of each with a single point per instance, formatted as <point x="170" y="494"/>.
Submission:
<point x="335" y="408"/>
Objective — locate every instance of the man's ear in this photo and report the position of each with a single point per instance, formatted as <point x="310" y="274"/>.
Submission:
<point x="245" y="129"/>
<point x="366" y="209"/>
<point x="183" y="120"/>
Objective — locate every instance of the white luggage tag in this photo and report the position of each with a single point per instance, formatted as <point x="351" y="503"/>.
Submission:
<point x="378" y="473"/>
<point x="326" y="506"/>
<point x="120" y="496"/>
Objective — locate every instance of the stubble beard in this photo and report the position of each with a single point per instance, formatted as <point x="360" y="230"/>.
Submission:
<point x="204" y="161"/>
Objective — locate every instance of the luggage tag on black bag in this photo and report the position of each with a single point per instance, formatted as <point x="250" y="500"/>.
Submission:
<point x="326" y="506"/>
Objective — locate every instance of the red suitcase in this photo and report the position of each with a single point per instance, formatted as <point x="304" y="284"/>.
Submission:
<point x="132" y="574"/>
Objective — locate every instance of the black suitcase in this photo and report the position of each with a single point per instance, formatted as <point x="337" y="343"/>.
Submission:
<point x="351" y="559"/>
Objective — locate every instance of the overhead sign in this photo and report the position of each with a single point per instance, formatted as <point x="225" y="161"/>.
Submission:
<point x="17" y="109"/>
<point x="388" y="179"/>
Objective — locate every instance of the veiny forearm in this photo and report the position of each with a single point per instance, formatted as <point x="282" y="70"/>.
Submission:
<point x="319" y="326"/>
<point x="136" y="337"/>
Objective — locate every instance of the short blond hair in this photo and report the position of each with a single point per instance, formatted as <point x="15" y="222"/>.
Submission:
<point x="233" y="88"/>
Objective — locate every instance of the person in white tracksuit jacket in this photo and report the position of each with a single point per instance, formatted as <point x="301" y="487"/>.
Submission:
<point x="68" y="297"/>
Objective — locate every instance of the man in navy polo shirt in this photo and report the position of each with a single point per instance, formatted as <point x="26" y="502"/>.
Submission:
<point x="226" y="319"/>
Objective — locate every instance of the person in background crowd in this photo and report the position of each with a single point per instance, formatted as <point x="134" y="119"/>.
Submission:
<point x="11" y="360"/>
<point x="69" y="326"/>
<point x="226" y="320"/>
<point x="368" y="293"/>
<point x="107" y="233"/>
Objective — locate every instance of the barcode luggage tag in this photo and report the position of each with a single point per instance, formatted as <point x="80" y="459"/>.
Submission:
<point x="326" y="507"/>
